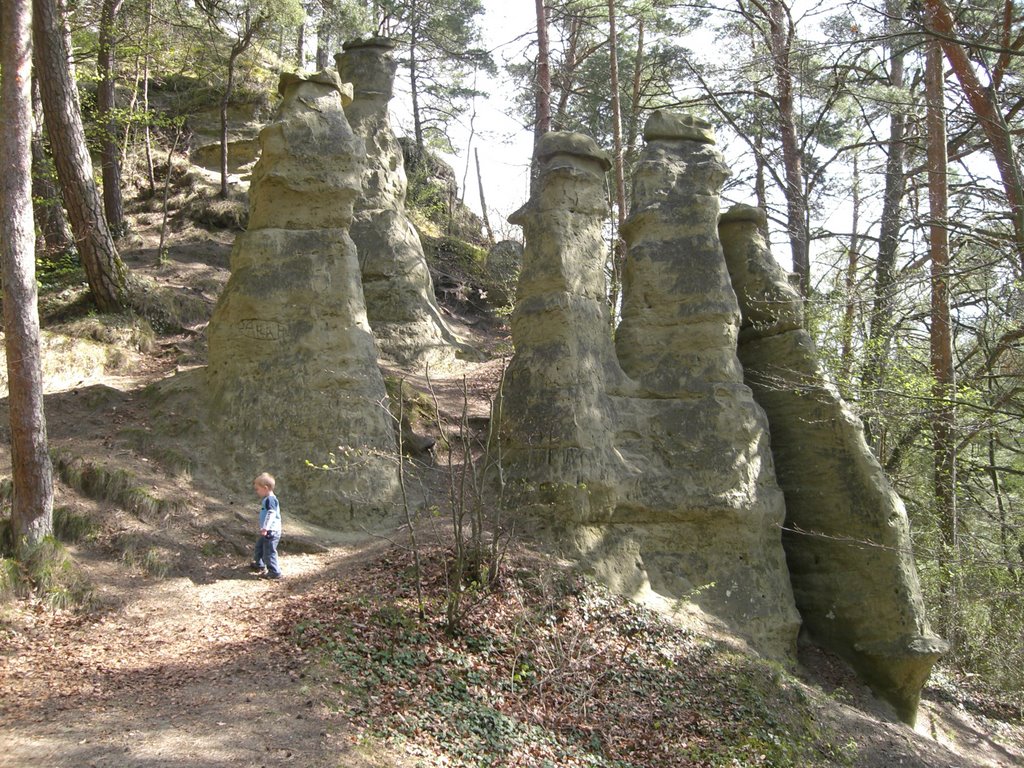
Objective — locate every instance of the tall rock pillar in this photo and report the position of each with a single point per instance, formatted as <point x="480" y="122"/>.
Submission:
<point x="293" y="376"/>
<point x="555" y="420"/>
<point x="703" y="510"/>
<point x="399" y="292"/>
<point x="847" y="535"/>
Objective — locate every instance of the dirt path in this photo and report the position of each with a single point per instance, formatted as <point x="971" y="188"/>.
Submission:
<point x="185" y="672"/>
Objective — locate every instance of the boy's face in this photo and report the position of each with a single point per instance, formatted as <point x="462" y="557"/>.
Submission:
<point x="261" y="490"/>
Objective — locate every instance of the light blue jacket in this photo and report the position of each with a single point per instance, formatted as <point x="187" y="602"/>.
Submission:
<point x="270" y="514"/>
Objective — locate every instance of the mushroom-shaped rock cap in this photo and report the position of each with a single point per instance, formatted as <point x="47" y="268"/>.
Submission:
<point x="740" y="213"/>
<point x="564" y="142"/>
<point x="324" y="77"/>
<point x="675" y="126"/>
<point x="370" y="42"/>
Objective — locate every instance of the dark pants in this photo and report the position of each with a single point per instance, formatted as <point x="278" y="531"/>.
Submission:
<point x="266" y="552"/>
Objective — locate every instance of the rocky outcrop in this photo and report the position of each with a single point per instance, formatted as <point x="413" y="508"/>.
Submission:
<point x="847" y="535"/>
<point x="399" y="293"/>
<point x="657" y="473"/>
<point x="293" y="378"/>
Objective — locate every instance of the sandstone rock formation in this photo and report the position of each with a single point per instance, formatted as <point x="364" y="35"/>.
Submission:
<point x="656" y="472"/>
<point x="847" y="536"/>
<point x="400" y="303"/>
<point x="293" y="375"/>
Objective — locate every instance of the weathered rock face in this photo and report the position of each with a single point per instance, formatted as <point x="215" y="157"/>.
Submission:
<point x="847" y="536"/>
<point x="657" y="472"/>
<point x="293" y="371"/>
<point x="400" y="303"/>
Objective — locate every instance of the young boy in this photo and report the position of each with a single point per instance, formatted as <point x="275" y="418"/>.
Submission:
<point x="270" y="529"/>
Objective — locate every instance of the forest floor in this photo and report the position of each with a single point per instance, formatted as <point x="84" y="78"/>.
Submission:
<point x="183" y="659"/>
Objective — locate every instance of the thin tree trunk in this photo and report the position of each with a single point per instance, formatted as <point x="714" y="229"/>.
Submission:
<point x="300" y="46"/>
<point x="145" y="99"/>
<point x="632" y="135"/>
<point x="619" y="249"/>
<point x="943" y="417"/>
<point x="32" y="507"/>
<point x="323" y="47"/>
<point x="414" y="83"/>
<point x="983" y="103"/>
<point x="566" y="74"/>
<point x="542" y="88"/>
<point x="52" y="225"/>
<point x="113" y="205"/>
<point x="225" y="101"/>
<point x="483" y="202"/>
<point x="106" y="273"/>
<point x="781" y="33"/>
<point x="879" y="336"/>
<point x="850" y="286"/>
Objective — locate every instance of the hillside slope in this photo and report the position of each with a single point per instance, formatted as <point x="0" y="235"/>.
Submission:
<point x="180" y="658"/>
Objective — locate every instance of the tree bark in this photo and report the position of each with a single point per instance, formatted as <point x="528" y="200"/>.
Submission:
<point x="983" y="103"/>
<point x="106" y="273"/>
<point x="113" y="205"/>
<point x="32" y="507"/>
<point x="300" y="46"/>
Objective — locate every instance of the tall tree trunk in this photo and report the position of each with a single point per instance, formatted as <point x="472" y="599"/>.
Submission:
<point x="850" y="285"/>
<point x="113" y="206"/>
<point x="32" y="508"/>
<point x="300" y="46"/>
<point x="880" y="325"/>
<point x="566" y="74"/>
<point x="983" y="103"/>
<point x="106" y="273"/>
<point x="414" y="78"/>
<point x="943" y="416"/>
<point x="541" y="88"/>
<point x="633" y="134"/>
<point x="225" y="102"/>
<point x="323" y="46"/>
<point x="145" y="101"/>
<point x="483" y="201"/>
<point x="53" y="236"/>
<point x="619" y="248"/>
<point x="781" y="37"/>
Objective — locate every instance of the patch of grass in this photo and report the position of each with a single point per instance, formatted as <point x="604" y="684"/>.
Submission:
<point x="139" y="553"/>
<point x="114" y="485"/>
<point x="47" y="572"/>
<point x="71" y="527"/>
<point x="125" y="330"/>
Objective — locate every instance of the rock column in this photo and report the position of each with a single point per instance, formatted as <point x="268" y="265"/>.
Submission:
<point x="847" y="535"/>
<point x="293" y="376"/>
<point x="704" y="510"/>
<point x="556" y="425"/>
<point x="399" y="292"/>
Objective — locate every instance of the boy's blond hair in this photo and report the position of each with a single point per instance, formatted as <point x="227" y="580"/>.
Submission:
<point x="266" y="480"/>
